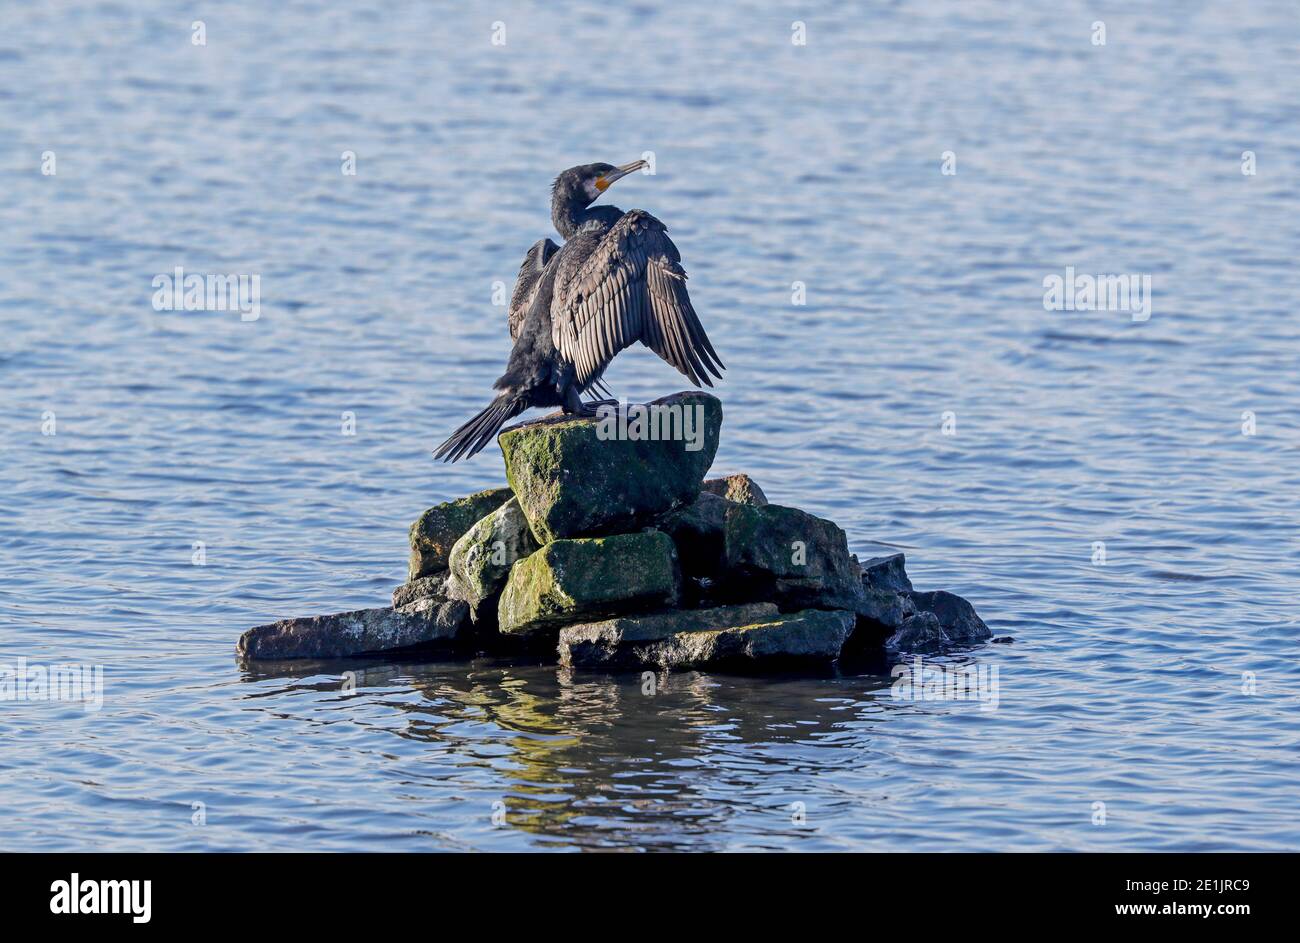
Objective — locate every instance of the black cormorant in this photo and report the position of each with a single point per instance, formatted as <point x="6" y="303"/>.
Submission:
<point x="616" y="280"/>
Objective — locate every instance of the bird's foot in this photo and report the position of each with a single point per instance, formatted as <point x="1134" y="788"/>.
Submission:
<point x="593" y="407"/>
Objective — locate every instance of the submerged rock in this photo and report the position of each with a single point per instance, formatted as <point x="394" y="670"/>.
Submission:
<point x="958" y="618"/>
<point x="739" y="488"/>
<point x="438" y="529"/>
<point x="591" y="577"/>
<point x="798" y="558"/>
<point x="810" y="636"/>
<point x="363" y="631"/>
<point x="580" y="477"/>
<point x="433" y="586"/>
<point x="480" y="561"/>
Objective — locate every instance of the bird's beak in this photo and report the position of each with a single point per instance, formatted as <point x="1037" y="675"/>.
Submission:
<point x="603" y="183"/>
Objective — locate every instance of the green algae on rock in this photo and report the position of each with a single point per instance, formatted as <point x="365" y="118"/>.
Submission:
<point x="799" y="558"/>
<point x="589" y="577"/>
<point x="436" y="530"/>
<point x="481" y="559"/>
<point x="579" y="476"/>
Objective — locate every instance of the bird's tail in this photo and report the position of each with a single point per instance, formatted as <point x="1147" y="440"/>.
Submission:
<point x="476" y="433"/>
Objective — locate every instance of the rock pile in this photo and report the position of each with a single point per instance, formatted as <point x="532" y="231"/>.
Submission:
<point x="610" y="549"/>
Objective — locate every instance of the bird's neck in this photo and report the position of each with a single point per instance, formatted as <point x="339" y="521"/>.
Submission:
<point x="568" y="217"/>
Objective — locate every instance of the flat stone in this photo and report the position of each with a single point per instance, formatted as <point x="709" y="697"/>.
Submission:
<point x="580" y="476"/>
<point x="433" y="586"/>
<point x="480" y="560"/>
<point x="801" y="559"/>
<point x="739" y="488"/>
<point x="363" y="631"/>
<point x="958" y="618"/>
<point x="621" y="642"/>
<point x="809" y="637"/>
<point x="580" y="579"/>
<point x="437" y="529"/>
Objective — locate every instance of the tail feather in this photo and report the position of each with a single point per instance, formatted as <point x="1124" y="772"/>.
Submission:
<point x="478" y="431"/>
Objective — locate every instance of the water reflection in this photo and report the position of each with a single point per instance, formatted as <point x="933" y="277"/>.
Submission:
<point x="604" y="759"/>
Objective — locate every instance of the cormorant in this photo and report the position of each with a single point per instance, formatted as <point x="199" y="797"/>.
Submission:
<point x="616" y="280"/>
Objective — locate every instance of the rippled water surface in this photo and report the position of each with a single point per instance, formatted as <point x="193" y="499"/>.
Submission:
<point x="1126" y="683"/>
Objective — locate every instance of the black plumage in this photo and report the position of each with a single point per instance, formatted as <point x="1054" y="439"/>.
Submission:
<point x="616" y="280"/>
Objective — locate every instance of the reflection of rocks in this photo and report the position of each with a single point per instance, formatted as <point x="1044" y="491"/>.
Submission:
<point x="425" y="622"/>
<point x="585" y="758"/>
<point x="611" y="521"/>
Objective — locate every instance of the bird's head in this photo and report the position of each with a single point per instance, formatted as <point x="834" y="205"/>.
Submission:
<point x="579" y="186"/>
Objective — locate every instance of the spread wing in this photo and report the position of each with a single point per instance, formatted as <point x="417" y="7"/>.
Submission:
<point x="530" y="277"/>
<point x="631" y="288"/>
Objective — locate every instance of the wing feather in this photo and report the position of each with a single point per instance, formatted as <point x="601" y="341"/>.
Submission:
<point x="630" y="288"/>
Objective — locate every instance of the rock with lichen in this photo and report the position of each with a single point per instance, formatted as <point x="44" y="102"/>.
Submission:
<point x="592" y="476"/>
<point x="611" y="547"/>
<point x="791" y="556"/>
<point x="436" y="531"/>
<point x="574" y="580"/>
<point x="481" y="559"/>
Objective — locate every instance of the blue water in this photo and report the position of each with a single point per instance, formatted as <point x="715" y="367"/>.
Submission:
<point x="1127" y="683"/>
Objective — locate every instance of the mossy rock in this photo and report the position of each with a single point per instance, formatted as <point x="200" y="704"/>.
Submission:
<point x="581" y="477"/>
<point x="796" y="557"/>
<point x="592" y="577"/>
<point x="481" y="559"/>
<point x="437" y="529"/>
